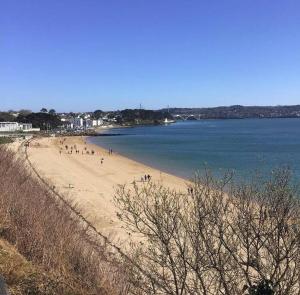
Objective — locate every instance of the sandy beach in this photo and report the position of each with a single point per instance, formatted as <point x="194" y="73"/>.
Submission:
<point x="82" y="178"/>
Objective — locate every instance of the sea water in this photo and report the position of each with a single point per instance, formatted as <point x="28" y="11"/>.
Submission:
<point x="243" y="146"/>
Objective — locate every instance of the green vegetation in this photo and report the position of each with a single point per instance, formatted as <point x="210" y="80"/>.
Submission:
<point x="4" y="140"/>
<point x="6" y="117"/>
<point x="97" y="114"/>
<point x="52" y="112"/>
<point x="44" y="121"/>
<point x="141" y="116"/>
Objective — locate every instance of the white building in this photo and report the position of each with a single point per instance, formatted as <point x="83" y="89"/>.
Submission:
<point x="14" y="126"/>
<point x="88" y="123"/>
<point x="77" y="122"/>
<point x="25" y="126"/>
<point x="9" y="126"/>
<point x="96" y="123"/>
<point x="84" y="123"/>
<point x="99" y="122"/>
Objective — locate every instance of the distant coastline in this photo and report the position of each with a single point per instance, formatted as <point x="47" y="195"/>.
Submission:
<point x="236" y="112"/>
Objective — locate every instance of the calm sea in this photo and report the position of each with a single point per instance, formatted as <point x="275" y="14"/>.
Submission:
<point x="185" y="147"/>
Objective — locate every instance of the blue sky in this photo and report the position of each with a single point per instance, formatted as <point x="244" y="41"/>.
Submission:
<point x="108" y="54"/>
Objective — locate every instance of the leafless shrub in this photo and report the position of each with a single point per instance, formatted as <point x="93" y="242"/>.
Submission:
<point x="219" y="238"/>
<point x="48" y="233"/>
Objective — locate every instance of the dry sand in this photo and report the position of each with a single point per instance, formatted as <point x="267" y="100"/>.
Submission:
<point x="90" y="184"/>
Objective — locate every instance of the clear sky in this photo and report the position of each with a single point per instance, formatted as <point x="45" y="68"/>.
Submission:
<point x="113" y="54"/>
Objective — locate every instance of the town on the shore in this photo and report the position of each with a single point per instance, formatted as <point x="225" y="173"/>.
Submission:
<point x="87" y="122"/>
<point x="50" y="120"/>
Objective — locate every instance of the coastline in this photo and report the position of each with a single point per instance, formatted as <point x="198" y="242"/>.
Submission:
<point x="101" y="131"/>
<point x="83" y="180"/>
<point x="140" y="161"/>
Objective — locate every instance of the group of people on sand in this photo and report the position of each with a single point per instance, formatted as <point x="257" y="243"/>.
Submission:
<point x="70" y="149"/>
<point x="77" y="151"/>
<point x="146" y="178"/>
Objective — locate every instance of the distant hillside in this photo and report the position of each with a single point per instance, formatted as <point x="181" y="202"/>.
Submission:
<point x="238" y="112"/>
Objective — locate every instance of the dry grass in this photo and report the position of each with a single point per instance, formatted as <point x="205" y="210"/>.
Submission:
<point x="21" y="276"/>
<point x="47" y="233"/>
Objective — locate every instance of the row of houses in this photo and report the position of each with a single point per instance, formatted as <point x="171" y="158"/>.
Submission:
<point x="15" y="126"/>
<point x="80" y="123"/>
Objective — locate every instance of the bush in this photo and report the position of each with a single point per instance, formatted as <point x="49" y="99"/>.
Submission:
<point x="5" y="140"/>
<point x="218" y="238"/>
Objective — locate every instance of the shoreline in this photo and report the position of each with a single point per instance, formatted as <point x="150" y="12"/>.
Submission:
<point x="187" y="179"/>
<point x="83" y="180"/>
<point x="140" y="162"/>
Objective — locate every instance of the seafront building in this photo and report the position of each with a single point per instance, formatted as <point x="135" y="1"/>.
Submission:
<point x="8" y="126"/>
<point x="77" y="122"/>
<point x="80" y="123"/>
<point x="93" y="123"/>
<point x="15" y="126"/>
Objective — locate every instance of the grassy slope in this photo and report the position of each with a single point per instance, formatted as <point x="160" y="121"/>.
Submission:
<point x="21" y="276"/>
<point x="65" y="257"/>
